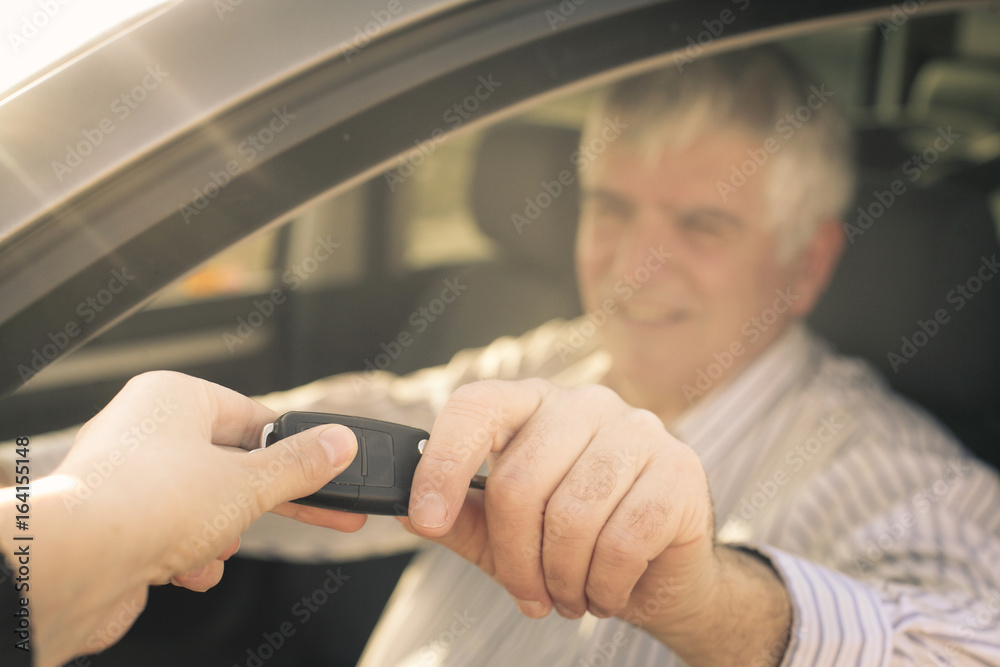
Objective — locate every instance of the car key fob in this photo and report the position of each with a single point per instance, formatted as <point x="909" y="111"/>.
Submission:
<point x="378" y="480"/>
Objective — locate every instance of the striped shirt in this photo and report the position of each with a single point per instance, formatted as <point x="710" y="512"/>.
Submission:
<point x="884" y="531"/>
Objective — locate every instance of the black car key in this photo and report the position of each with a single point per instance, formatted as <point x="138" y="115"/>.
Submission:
<point x="378" y="480"/>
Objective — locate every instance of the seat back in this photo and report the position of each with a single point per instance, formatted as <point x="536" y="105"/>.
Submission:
<point x="917" y="294"/>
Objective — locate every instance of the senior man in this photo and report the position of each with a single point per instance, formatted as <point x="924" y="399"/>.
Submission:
<point x="686" y="472"/>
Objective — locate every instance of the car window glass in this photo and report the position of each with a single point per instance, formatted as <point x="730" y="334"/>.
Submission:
<point x="429" y="189"/>
<point x="263" y="261"/>
<point x="839" y="58"/>
<point x="428" y="203"/>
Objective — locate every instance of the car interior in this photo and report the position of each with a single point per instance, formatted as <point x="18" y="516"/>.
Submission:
<point x="445" y="214"/>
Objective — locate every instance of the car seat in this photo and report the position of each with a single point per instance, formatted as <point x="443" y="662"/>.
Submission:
<point x="518" y="201"/>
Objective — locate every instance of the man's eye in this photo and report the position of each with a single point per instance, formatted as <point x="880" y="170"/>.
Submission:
<point x="705" y="224"/>
<point x="710" y="223"/>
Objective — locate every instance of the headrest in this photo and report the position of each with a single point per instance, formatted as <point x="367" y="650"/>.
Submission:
<point x="525" y="194"/>
<point x="956" y="86"/>
<point x="917" y="293"/>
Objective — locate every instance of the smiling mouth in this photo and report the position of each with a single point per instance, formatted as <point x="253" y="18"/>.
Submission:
<point x="640" y="313"/>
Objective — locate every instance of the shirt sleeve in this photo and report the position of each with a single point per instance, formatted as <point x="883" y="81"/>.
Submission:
<point x="916" y="585"/>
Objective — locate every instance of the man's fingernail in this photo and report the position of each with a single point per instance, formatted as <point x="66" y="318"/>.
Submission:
<point x="338" y="441"/>
<point x="566" y="612"/>
<point x="429" y="511"/>
<point x="599" y="612"/>
<point x="532" y="609"/>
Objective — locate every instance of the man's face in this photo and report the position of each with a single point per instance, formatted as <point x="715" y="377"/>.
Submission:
<point x="716" y="301"/>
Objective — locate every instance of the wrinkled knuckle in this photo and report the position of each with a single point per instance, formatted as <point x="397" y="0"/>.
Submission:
<point x="474" y="399"/>
<point x="443" y="460"/>
<point x="566" y="517"/>
<point x="646" y="522"/>
<point x="610" y="598"/>
<point x="568" y="512"/>
<point x="595" y="480"/>
<point x="619" y="548"/>
<point x="557" y="581"/>
<point x="509" y="487"/>
<point x="529" y="441"/>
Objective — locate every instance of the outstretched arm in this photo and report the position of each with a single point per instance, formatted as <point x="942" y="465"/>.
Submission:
<point x="121" y="512"/>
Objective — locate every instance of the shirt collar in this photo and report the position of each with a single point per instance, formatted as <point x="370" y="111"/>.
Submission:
<point x="716" y="422"/>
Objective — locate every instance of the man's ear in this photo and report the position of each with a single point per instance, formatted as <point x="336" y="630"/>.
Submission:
<point x="815" y="265"/>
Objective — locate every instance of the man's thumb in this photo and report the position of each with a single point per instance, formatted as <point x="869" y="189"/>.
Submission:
<point x="302" y="463"/>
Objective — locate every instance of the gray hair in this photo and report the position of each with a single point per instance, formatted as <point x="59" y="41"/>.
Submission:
<point x="765" y="93"/>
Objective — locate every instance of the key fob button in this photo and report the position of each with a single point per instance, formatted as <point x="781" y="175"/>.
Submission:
<point x="379" y="459"/>
<point x="354" y="473"/>
<point x="378" y="479"/>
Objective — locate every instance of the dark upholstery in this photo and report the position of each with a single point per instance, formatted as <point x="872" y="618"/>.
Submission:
<point x="518" y="165"/>
<point x="899" y="273"/>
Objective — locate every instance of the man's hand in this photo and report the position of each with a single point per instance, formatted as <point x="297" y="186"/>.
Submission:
<point x="158" y="487"/>
<point x="591" y="505"/>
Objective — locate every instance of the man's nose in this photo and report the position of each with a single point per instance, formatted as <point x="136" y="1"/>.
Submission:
<point x="650" y="243"/>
